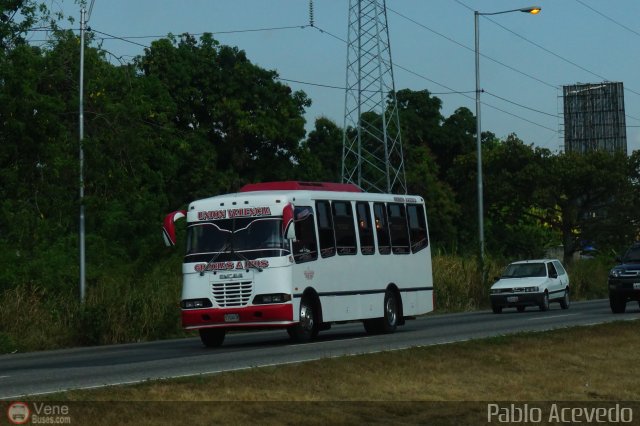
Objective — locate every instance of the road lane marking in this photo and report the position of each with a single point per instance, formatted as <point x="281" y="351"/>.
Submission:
<point x="553" y="316"/>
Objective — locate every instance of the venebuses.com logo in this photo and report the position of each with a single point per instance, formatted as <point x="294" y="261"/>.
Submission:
<point x="18" y="413"/>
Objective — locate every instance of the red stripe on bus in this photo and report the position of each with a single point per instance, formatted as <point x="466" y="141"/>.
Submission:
<point x="247" y="315"/>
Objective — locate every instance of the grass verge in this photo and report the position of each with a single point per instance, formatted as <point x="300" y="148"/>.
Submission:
<point x="586" y="365"/>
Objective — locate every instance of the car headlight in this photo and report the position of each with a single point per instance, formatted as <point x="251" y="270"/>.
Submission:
<point x="495" y="291"/>
<point x="533" y="289"/>
<point x="616" y="272"/>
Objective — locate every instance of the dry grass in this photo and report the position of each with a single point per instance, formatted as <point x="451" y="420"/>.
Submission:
<point x="411" y="386"/>
<point x="458" y="282"/>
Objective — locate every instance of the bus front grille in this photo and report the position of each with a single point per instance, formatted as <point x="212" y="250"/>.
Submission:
<point x="230" y="294"/>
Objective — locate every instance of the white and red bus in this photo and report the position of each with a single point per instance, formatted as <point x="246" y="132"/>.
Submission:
<point x="301" y="256"/>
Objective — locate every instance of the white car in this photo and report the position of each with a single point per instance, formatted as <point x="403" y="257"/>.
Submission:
<point x="531" y="283"/>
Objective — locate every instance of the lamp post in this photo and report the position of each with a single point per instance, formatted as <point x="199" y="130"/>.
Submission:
<point x="84" y="19"/>
<point x="534" y="10"/>
<point x="83" y="23"/>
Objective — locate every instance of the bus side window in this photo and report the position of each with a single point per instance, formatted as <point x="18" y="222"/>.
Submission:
<point x="382" y="228"/>
<point x="305" y="248"/>
<point x="417" y="227"/>
<point x="398" y="228"/>
<point x="365" y="230"/>
<point x="344" y="227"/>
<point x="325" y="229"/>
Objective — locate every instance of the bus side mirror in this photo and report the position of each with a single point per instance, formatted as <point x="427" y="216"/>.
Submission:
<point x="288" y="229"/>
<point x="169" y="227"/>
<point x="291" y="233"/>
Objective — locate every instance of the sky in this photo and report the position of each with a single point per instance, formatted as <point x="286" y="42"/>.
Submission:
<point x="526" y="59"/>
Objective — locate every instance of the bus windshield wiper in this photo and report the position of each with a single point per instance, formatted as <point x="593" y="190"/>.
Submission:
<point x="224" y="247"/>
<point x="247" y="262"/>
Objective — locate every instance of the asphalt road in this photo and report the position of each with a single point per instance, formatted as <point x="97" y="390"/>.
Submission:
<point x="83" y="368"/>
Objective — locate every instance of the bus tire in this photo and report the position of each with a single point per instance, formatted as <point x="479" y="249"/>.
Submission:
<point x="391" y="312"/>
<point x="212" y="337"/>
<point x="389" y="322"/>
<point x="307" y="327"/>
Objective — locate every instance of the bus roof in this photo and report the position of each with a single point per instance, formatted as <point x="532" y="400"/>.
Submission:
<point x="300" y="186"/>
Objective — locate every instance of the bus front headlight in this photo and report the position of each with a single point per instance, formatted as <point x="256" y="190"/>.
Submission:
<point x="263" y="299"/>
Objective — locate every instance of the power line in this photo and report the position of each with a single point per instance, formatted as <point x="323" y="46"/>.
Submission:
<point x="328" y="86"/>
<point x="520" y="105"/>
<point x="472" y="50"/>
<point x="128" y="39"/>
<point x="449" y="88"/>
<point x="560" y="57"/>
<point x="121" y="39"/>
<point x="249" y="30"/>
<point x="609" y="18"/>
<point x="547" y="50"/>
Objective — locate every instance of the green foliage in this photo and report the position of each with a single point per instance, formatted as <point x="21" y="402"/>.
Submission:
<point x="191" y="118"/>
<point x="588" y="278"/>
<point x="123" y="306"/>
<point x="458" y="283"/>
<point x="320" y="154"/>
<point x="580" y="194"/>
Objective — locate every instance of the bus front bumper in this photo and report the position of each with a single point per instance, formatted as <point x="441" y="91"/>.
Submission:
<point x="257" y="316"/>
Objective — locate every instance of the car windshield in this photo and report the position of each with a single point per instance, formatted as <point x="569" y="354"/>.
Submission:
<point x="632" y="255"/>
<point x="522" y="270"/>
<point x="253" y="238"/>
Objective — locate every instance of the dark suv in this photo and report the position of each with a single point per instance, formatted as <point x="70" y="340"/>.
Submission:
<point x="624" y="280"/>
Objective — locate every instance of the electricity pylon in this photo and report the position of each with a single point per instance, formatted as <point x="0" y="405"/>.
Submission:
<point x="372" y="147"/>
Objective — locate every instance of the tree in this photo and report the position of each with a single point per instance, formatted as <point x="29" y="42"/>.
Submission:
<point x="421" y="122"/>
<point x="18" y="17"/>
<point x="248" y="125"/>
<point x="457" y="138"/>
<point x="511" y="175"/>
<point x="511" y="172"/>
<point x="321" y="153"/>
<point x="577" y="194"/>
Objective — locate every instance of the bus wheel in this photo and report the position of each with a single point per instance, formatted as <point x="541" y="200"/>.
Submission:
<point x="212" y="337"/>
<point x="390" y="320"/>
<point x="307" y="328"/>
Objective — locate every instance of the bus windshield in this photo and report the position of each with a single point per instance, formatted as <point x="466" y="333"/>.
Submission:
<point x="253" y="238"/>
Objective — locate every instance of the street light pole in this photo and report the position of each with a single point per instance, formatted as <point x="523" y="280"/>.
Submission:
<point x="476" y="15"/>
<point x="534" y="10"/>
<point x="81" y="157"/>
<point x="84" y="19"/>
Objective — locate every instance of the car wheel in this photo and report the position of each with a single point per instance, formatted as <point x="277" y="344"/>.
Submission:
<point x="544" y="305"/>
<point x="618" y="304"/>
<point x="521" y="308"/>
<point x="212" y="337"/>
<point x="496" y="309"/>
<point x="565" y="302"/>
<point x="307" y="327"/>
